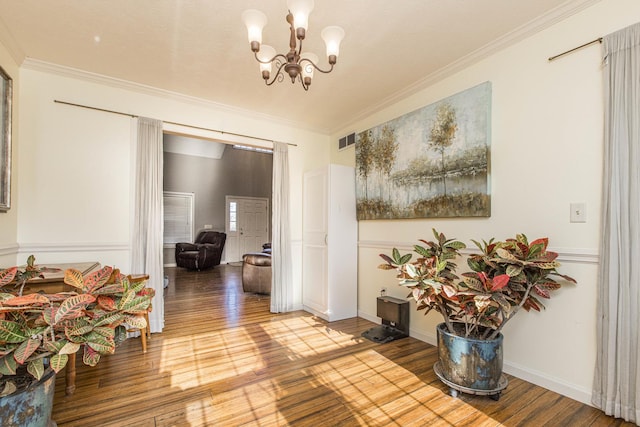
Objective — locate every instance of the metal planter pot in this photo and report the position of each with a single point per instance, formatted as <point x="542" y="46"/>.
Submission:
<point x="31" y="407"/>
<point x="471" y="364"/>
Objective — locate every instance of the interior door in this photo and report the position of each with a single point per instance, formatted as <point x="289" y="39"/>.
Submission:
<point x="315" y="253"/>
<point x="247" y="226"/>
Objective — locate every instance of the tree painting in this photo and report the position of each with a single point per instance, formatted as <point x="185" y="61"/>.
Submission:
<point x="364" y="157"/>
<point x="375" y="156"/>
<point x="429" y="163"/>
<point x="442" y="133"/>
<point x="384" y="157"/>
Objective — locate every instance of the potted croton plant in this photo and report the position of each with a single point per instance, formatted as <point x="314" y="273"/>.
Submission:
<point x="505" y="277"/>
<point x="39" y="331"/>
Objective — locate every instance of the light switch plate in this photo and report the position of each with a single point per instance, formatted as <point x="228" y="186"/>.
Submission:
<point x="578" y="212"/>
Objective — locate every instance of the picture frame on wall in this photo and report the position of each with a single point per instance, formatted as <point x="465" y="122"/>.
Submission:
<point x="433" y="162"/>
<point x="6" y="98"/>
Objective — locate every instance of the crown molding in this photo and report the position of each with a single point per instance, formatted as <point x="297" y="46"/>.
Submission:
<point x="74" y="73"/>
<point x="564" y="11"/>
<point x="7" y="40"/>
<point x="543" y="22"/>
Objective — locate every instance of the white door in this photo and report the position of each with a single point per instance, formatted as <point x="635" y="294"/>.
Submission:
<point x="315" y="262"/>
<point x="247" y="226"/>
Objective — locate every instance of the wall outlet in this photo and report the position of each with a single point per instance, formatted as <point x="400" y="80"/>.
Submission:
<point x="578" y="212"/>
<point x="208" y="226"/>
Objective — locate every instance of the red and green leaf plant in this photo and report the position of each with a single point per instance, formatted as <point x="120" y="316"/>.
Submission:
<point x="38" y="329"/>
<point x="505" y="277"/>
<point x="431" y="277"/>
<point x="531" y="270"/>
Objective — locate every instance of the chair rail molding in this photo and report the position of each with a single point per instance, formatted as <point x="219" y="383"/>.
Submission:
<point x="8" y="249"/>
<point x="73" y="247"/>
<point x="575" y="255"/>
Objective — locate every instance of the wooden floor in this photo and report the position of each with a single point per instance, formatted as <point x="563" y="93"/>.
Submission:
<point x="224" y="360"/>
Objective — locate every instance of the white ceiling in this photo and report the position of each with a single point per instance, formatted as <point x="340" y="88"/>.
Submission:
<point x="199" y="47"/>
<point x="180" y="144"/>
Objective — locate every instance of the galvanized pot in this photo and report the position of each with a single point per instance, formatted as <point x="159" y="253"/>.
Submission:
<point x="470" y="363"/>
<point x="31" y="407"/>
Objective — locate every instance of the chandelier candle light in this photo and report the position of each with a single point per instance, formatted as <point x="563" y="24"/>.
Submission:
<point x="296" y="64"/>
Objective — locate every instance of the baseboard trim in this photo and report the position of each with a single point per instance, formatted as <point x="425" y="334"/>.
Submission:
<point x="315" y="312"/>
<point x="535" y="377"/>
<point x="554" y="384"/>
<point x="367" y="316"/>
<point x="297" y="307"/>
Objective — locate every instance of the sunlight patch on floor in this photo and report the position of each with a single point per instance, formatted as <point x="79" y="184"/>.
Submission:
<point x="300" y="340"/>
<point x="362" y="388"/>
<point x="210" y="357"/>
<point x="248" y="404"/>
<point x="378" y="391"/>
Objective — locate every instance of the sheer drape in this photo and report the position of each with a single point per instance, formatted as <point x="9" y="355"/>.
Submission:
<point x="281" y="279"/>
<point x="146" y="246"/>
<point x="617" y="373"/>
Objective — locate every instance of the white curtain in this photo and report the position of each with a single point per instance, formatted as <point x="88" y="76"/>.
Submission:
<point x="616" y="387"/>
<point x="147" y="236"/>
<point x="281" y="276"/>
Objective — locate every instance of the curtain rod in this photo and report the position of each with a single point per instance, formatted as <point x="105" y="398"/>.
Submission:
<point x="598" y="40"/>
<point x="171" y="123"/>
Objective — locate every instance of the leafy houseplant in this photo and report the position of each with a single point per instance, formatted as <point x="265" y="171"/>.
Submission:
<point x="505" y="276"/>
<point x="39" y="330"/>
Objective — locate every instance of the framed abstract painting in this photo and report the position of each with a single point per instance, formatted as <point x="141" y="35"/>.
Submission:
<point x="430" y="163"/>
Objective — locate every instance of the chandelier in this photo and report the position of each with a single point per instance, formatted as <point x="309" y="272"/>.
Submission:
<point x="296" y="64"/>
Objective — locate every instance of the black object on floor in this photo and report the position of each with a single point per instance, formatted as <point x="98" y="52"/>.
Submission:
<point x="383" y="333"/>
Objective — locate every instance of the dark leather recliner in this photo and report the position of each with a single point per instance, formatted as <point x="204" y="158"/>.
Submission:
<point x="204" y="253"/>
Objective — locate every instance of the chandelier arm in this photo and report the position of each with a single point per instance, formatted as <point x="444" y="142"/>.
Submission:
<point x="305" y="87"/>
<point x="315" y="66"/>
<point x="271" y="60"/>
<point x="278" y="75"/>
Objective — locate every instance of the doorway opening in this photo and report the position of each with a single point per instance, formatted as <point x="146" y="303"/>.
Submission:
<point x="247" y="226"/>
<point x="212" y="171"/>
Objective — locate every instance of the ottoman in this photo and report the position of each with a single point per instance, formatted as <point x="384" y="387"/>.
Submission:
<point x="256" y="273"/>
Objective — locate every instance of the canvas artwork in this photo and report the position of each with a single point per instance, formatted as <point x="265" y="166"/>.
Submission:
<point x="6" y="94"/>
<point x="432" y="162"/>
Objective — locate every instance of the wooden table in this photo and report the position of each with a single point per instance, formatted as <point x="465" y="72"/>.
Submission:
<point x="52" y="283"/>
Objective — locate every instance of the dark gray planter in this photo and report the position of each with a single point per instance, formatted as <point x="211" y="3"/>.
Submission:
<point x="31" y="407"/>
<point x="472" y="364"/>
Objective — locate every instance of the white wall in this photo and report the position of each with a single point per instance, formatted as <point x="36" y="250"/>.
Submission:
<point x="546" y="152"/>
<point x="9" y="219"/>
<point x="72" y="196"/>
<point x="75" y="183"/>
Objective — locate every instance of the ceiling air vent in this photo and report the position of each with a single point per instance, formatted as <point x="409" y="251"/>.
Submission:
<point x="346" y="141"/>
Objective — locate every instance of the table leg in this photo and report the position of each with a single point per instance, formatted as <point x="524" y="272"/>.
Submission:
<point x="70" y="375"/>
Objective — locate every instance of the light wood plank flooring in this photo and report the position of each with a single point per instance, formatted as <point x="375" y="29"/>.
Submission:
<point x="224" y="360"/>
